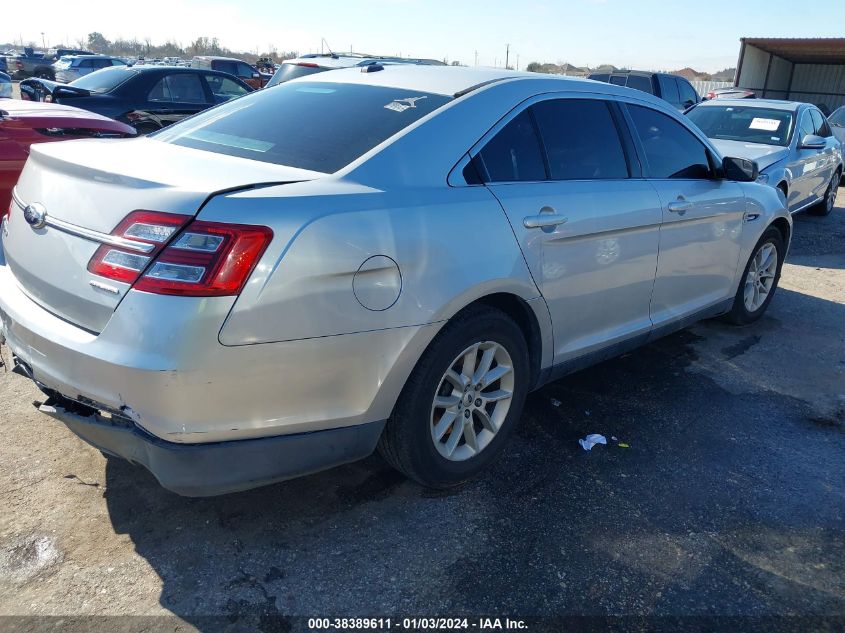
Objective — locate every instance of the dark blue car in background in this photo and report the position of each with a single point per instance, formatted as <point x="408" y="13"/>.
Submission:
<point x="146" y="97"/>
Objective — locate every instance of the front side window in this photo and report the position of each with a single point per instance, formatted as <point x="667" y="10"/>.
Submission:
<point x="820" y="124"/>
<point x="310" y="125"/>
<point x="640" y="82"/>
<point x="806" y="126"/>
<point x="669" y="89"/>
<point x="244" y="71"/>
<point x="618" y="80"/>
<point x="749" y="124"/>
<point x="223" y="88"/>
<point x="688" y="96"/>
<point x="581" y="139"/>
<point x="838" y="117"/>
<point x="672" y="151"/>
<point x="600" y="77"/>
<point x="514" y="154"/>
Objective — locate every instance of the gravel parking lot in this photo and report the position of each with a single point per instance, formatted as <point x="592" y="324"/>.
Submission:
<point x="728" y="502"/>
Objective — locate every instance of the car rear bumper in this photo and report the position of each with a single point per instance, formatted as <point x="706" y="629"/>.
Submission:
<point x="200" y="470"/>
<point x="158" y="362"/>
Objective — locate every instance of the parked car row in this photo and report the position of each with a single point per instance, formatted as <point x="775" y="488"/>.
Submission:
<point x="146" y="97"/>
<point x="444" y="239"/>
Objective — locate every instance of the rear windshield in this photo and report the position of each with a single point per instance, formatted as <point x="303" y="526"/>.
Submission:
<point x="287" y="72"/>
<point x="744" y="123"/>
<point x="104" y="80"/>
<point x="318" y="126"/>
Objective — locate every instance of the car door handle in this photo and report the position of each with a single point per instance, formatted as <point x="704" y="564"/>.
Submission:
<point x="679" y="206"/>
<point x="543" y="221"/>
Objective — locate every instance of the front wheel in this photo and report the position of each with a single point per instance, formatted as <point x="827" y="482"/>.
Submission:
<point x="461" y="402"/>
<point x="759" y="279"/>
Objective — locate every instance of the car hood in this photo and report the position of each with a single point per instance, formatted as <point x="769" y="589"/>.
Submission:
<point x="764" y="155"/>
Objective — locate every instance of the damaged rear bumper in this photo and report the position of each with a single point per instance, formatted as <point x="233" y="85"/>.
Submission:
<point x="200" y="470"/>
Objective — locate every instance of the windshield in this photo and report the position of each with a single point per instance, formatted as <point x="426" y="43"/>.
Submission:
<point x="749" y="124"/>
<point x="287" y="72"/>
<point x="104" y="80"/>
<point x="317" y="126"/>
<point x="837" y="118"/>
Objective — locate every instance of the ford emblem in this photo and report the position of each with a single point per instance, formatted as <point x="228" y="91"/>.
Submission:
<point x="35" y="215"/>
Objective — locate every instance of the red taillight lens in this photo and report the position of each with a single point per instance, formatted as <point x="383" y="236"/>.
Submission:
<point x="208" y="259"/>
<point x="149" y="229"/>
<point x="202" y="259"/>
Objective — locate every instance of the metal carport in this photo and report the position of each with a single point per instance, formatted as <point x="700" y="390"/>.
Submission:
<point x="799" y="69"/>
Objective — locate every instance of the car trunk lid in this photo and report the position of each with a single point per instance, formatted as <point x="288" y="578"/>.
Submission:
<point x="86" y="189"/>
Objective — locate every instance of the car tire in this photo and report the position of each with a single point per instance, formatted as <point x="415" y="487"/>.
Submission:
<point x="473" y="430"/>
<point x="755" y="276"/>
<point x="826" y="205"/>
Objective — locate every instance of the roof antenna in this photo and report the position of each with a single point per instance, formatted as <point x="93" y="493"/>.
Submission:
<point x="328" y="48"/>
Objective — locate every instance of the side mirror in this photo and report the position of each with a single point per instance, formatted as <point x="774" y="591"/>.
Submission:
<point x="740" y="169"/>
<point x="811" y="141"/>
<point x="256" y="75"/>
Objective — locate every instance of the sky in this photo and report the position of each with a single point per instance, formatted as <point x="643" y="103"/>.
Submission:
<point x="646" y="34"/>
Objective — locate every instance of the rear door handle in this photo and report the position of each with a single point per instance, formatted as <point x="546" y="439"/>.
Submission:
<point x="679" y="206"/>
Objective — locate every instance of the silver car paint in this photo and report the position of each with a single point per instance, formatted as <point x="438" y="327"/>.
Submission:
<point x="297" y="350"/>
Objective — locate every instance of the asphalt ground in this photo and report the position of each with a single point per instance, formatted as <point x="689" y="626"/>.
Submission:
<point x="725" y="511"/>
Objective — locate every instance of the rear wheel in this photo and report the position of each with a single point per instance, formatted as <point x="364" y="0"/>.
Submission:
<point x="462" y="401"/>
<point x="759" y="279"/>
<point x="829" y="201"/>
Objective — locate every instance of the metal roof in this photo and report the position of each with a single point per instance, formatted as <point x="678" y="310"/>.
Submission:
<point x="802" y="50"/>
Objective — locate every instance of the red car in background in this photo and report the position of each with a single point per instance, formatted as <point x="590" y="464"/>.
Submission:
<point x="23" y="123"/>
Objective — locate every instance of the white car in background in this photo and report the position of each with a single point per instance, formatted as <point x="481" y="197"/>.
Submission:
<point x="72" y="67"/>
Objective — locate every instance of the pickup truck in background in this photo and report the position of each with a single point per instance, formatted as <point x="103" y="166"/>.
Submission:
<point x="38" y="64"/>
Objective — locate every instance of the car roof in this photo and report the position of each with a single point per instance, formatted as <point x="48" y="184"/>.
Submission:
<point x="218" y="57"/>
<point x="771" y="104"/>
<point x="348" y="60"/>
<point x="457" y="80"/>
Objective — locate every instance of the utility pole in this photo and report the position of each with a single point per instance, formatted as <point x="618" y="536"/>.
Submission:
<point x="507" y="55"/>
<point x="476" y="58"/>
<point x="517" y="61"/>
<point x="43" y="41"/>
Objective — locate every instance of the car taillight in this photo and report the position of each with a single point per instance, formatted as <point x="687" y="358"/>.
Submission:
<point x="175" y="256"/>
<point x="150" y="229"/>
<point x="207" y="259"/>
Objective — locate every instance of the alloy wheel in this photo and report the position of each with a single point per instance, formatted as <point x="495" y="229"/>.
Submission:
<point x="761" y="276"/>
<point x="472" y="401"/>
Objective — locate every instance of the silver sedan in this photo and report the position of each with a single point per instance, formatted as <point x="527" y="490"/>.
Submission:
<point x="793" y="144"/>
<point x="397" y="261"/>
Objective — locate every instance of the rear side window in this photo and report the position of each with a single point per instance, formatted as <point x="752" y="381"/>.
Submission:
<point x="514" y="154"/>
<point x="581" y="139"/>
<point x="600" y="77"/>
<point x="640" y="82"/>
<point x="618" y="80"/>
<point x="669" y="89"/>
<point x="179" y="88"/>
<point x="671" y="149"/>
<point x="225" y="66"/>
<point x="310" y="125"/>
